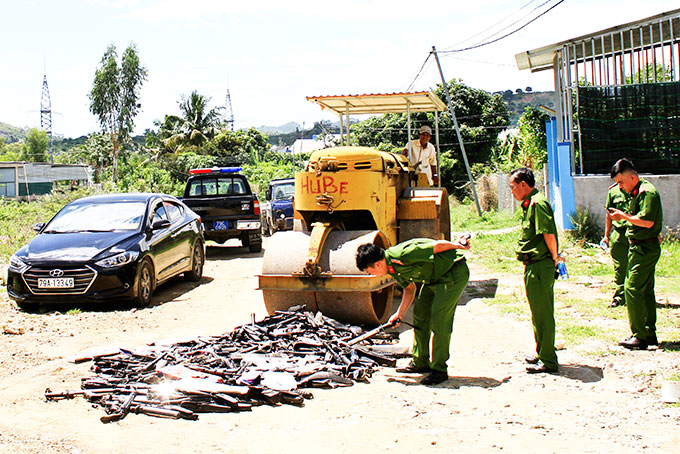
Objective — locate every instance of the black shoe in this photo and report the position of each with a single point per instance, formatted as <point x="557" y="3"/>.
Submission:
<point x="633" y="343"/>
<point x="413" y="369"/>
<point x="434" y="378"/>
<point x="540" y="368"/>
<point x="616" y="303"/>
<point x="652" y="340"/>
<point x="531" y="359"/>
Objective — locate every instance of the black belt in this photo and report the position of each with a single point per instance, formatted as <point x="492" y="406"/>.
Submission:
<point x="646" y="240"/>
<point x="527" y="260"/>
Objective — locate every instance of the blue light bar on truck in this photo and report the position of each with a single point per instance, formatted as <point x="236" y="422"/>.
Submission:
<point x="215" y="170"/>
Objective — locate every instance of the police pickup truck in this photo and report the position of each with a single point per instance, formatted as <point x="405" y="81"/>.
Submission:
<point x="222" y="197"/>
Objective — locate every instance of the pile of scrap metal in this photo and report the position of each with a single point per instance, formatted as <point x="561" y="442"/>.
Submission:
<point x="269" y="362"/>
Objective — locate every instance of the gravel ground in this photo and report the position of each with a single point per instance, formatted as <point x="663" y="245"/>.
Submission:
<point x="605" y="404"/>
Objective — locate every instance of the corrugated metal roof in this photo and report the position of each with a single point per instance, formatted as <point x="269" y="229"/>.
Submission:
<point x="603" y="42"/>
<point x="379" y="103"/>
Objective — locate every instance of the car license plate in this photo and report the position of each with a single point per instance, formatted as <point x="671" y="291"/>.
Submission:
<point x="56" y="282"/>
<point x="221" y="225"/>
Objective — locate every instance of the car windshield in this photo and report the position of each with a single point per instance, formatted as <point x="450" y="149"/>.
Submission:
<point x="283" y="191"/>
<point x="98" y="217"/>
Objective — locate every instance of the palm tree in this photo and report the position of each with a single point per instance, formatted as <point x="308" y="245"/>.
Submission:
<point x="198" y="123"/>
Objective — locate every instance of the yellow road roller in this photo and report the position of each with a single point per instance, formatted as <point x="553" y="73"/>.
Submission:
<point x="347" y="196"/>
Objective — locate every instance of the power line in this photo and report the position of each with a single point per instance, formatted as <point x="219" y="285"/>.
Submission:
<point x="419" y="73"/>
<point x="507" y="34"/>
<point x="492" y="26"/>
<point x="516" y="22"/>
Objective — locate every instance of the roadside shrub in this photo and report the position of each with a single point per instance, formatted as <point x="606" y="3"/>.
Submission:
<point x="18" y="218"/>
<point x="585" y="228"/>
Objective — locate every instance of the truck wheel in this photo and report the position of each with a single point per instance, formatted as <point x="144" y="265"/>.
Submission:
<point x="197" y="260"/>
<point x="255" y="247"/>
<point x="253" y="244"/>
<point x="145" y="283"/>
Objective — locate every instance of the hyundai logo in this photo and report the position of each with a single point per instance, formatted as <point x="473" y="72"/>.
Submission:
<point x="56" y="273"/>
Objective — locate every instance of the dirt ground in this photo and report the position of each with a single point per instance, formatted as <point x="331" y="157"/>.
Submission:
<point x="603" y="404"/>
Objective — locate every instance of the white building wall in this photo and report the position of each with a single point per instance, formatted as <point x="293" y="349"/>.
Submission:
<point x="591" y="192"/>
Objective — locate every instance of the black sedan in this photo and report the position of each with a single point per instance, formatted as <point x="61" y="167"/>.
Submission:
<point x="108" y="247"/>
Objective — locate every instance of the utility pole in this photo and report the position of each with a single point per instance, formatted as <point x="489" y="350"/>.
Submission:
<point x="460" y="137"/>
<point x="46" y="114"/>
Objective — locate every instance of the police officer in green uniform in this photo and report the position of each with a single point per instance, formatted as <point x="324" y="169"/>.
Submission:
<point x="645" y="218"/>
<point x="434" y="274"/>
<point x="537" y="249"/>
<point x="615" y="238"/>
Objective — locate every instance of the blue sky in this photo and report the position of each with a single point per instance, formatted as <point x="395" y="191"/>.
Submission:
<point x="271" y="54"/>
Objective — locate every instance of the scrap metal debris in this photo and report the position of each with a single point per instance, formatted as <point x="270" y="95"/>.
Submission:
<point x="270" y="362"/>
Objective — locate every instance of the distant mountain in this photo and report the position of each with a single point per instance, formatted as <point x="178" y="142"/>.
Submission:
<point x="289" y="127"/>
<point x="518" y="100"/>
<point x="11" y="133"/>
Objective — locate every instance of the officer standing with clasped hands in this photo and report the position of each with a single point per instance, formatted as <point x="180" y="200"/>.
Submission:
<point x="538" y="250"/>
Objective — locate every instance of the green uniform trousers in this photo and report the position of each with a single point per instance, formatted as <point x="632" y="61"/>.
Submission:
<point x="539" y="280"/>
<point x="639" y="288"/>
<point x="618" y="246"/>
<point x="433" y="314"/>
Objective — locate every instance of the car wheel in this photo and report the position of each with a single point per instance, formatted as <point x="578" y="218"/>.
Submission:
<point x="145" y="283"/>
<point x="197" y="261"/>
<point x="24" y="306"/>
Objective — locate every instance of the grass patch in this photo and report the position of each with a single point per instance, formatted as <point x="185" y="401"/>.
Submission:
<point x="511" y="305"/>
<point x="574" y="334"/>
<point x="464" y="217"/>
<point x="74" y="311"/>
<point x="18" y="218"/>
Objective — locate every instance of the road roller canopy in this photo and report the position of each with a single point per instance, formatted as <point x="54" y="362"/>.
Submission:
<point x="380" y="103"/>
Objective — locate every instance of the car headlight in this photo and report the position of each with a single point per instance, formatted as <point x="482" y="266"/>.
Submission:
<point x="17" y="265"/>
<point x="118" y="260"/>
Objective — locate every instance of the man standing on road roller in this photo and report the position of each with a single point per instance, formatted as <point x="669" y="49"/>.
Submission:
<point x="538" y="250"/>
<point x="434" y="274"/>
<point x="423" y="156"/>
<point x="645" y="218"/>
<point x="615" y="238"/>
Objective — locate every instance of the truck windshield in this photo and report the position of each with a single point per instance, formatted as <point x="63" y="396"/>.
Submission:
<point x="283" y="191"/>
<point x="217" y="186"/>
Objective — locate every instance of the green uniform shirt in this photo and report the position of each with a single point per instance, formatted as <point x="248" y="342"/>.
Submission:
<point x="415" y="261"/>
<point x="645" y="203"/>
<point x="616" y="198"/>
<point x="538" y="218"/>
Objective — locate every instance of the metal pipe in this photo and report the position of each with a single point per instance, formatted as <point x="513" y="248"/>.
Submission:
<point x="342" y="135"/>
<point x="408" y="129"/>
<point x="347" y="113"/>
<point x="663" y="54"/>
<point x="460" y="137"/>
<point x="592" y="60"/>
<point x="651" y="43"/>
<point x="672" y="38"/>
<point x="436" y="139"/>
<point x="622" y="62"/>
<point x="632" y="61"/>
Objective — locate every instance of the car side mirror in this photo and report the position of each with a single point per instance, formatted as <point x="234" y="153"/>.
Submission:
<point x="39" y="226"/>
<point x="161" y="224"/>
<point x="268" y="194"/>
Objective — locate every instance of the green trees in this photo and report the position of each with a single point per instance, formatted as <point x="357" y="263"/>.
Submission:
<point x="198" y="123"/>
<point x="481" y="116"/>
<point x="35" y="147"/>
<point x="114" y="97"/>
